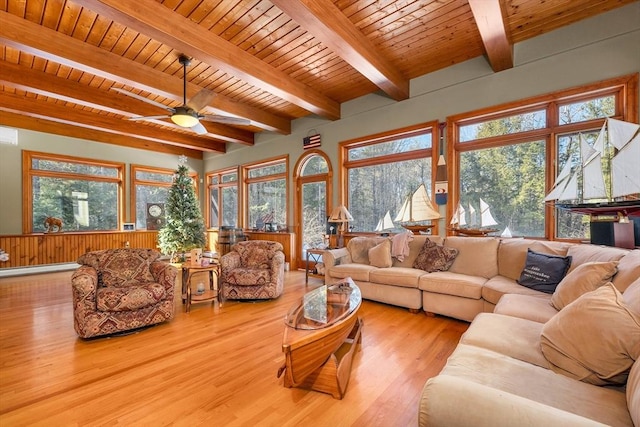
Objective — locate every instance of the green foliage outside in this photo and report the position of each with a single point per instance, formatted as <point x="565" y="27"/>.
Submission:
<point x="184" y="228"/>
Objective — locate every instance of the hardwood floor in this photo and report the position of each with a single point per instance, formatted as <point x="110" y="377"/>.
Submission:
<point x="212" y="366"/>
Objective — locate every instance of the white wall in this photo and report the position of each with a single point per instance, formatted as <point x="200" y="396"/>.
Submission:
<point x="599" y="48"/>
<point x="11" y="167"/>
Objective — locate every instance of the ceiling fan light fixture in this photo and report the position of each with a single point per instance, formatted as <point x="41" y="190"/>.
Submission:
<point x="184" y="120"/>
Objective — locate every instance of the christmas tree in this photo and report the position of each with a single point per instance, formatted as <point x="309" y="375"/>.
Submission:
<point x="184" y="227"/>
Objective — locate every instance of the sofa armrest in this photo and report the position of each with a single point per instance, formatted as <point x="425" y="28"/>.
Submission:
<point x="486" y="406"/>
<point x="333" y="257"/>
<point x="165" y="274"/>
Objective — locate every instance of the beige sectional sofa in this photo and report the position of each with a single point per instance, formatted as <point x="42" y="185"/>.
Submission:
<point x="500" y="373"/>
<point x="485" y="269"/>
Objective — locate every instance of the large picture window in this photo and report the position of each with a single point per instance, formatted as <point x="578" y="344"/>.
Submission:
<point x="85" y="194"/>
<point x="222" y="198"/>
<point x="509" y="156"/>
<point x="266" y="193"/>
<point x="383" y="170"/>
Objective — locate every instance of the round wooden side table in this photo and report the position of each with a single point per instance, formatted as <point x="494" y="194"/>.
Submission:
<point x="188" y="296"/>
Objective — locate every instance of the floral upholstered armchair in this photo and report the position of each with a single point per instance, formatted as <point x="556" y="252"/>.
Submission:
<point x="252" y="270"/>
<point x="116" y="290"/>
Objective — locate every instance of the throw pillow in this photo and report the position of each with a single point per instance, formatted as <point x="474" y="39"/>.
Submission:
<point x="631" y="296"/>
<point x="584" y="278"/>
<point x="595" y="339"/>
<point x="434" y="257"/>
<point x="380" y="255"/>
<point x="543" y="272"/>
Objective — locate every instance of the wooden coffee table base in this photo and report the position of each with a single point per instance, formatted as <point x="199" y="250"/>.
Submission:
<point x="333" y="376"/>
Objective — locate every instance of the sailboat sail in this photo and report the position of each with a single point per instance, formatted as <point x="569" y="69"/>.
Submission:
<point x="417" y="207"/>
<point x="458" y="218"/>
<point x="486" y="219"/>
<point x="624" y="166"/>
<point x="592" y="176"/>
<point x="385" y="223"/>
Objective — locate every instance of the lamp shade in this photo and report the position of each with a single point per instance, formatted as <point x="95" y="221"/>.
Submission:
<point x="184" y="120"/>
<point x="340" y="214"/>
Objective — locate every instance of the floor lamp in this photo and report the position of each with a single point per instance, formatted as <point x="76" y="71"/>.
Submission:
<point x="341" y="214"/>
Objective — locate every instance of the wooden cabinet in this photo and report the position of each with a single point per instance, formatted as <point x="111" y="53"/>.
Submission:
<point x="286" y="239"/>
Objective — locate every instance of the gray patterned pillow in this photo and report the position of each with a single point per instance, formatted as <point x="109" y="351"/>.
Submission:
<point x="433" y="257"/>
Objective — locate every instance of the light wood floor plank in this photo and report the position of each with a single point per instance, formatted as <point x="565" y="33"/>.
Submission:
<point x="212" y="366"/>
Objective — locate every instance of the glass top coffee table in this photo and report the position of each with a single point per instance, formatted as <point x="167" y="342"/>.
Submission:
<point x="320" y="337"/>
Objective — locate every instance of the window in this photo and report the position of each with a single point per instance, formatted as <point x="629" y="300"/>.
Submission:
<point x="509" y="156"/>
<point x="222" y="198"/>
<point x="266" y="193"/>
<point x="86" y="194"/>
<point x="383" y="170"/>
<point x="149" y="185"/>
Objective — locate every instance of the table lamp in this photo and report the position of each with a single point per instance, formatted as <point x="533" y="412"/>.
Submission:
<point x="341" y="214"/>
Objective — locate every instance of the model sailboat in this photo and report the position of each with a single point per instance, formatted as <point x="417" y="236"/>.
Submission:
<point x="459" y="224"/>
<point x="583" y="187"/>
<point x="385" y="223"/>
<point x="416" y="209"/>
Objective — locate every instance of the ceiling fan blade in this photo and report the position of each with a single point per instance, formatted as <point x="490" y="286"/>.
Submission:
<point x="226" y="119"/>
<point x="201" y="99"/>
<point x="199" y="129"/>
<point x="142" y="98"/>
<point x="163" y="116"/>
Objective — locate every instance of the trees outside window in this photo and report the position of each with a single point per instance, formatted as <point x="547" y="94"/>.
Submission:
<point x="266" y="192"/>
<point x="382" y="170"/>
<point x="86" y="194"/>
<point x="149" y="185"/>
<point x="222" y="198"/>
<point x="510" y="155"/>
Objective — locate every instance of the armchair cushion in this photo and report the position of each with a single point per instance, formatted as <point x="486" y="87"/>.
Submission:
<point x="114" y="298"/>
<point x="258" y="254"/>
<point x="249" y="276"/>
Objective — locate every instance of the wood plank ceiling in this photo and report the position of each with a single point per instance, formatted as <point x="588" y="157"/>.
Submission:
<point x="268" y="62"/>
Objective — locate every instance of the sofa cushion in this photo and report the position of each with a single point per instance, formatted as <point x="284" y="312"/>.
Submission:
<point x="433" y="257"/>
<point x="498" y="286"/>
<point x="628" y="270"/>
<point x="543" y="272"/>
<point x="359" y="248"/>
<point x="510" y="375"/>
<point x="414" y="249"/>
<point x="511" y="336"/>
<point x="380" y="254"/>
<point x="129" y="298"/>
<point x="512" y="254"/>
<point x="531" y="307"/>
<point x="585" y="278"/>
<point x="396" y="276"/>
<point x="594" y="339"/>
<point x="478" y="256"/>
<point x="446" y="282"/>
<point x="355" y="271"/>
<point x="632" y="296"/>
<point x="585" y="253"/>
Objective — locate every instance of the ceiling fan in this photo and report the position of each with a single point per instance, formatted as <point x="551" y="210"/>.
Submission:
<point x="187" y="115"/>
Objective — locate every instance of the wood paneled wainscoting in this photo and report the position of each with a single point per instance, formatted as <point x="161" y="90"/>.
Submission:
<point x="52" y="248"/>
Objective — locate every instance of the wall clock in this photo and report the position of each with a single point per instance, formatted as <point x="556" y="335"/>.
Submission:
<point x="155" y="216"/>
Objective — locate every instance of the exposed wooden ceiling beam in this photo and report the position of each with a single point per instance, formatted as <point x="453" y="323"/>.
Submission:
<point x="73" y="116"/>
<point x="164" y="25"/>
<point x="41" y="83"/>
<point x="327" y="23"/>
<point x="488" y="17"/>
<point x="62" y="49"/>
<point x="42" y="125"/>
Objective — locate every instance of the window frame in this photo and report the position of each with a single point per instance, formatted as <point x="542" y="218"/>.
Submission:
<point x="135" y="182"/>
<point x="28" y="173"/>
<point x="383" y="137"/>
<point x="624" y="88"/>
<point x="246" y="181"/>
<point x="209" y="186"/>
